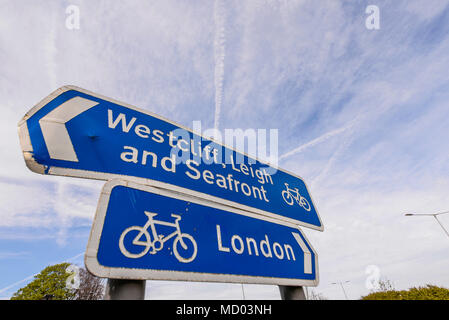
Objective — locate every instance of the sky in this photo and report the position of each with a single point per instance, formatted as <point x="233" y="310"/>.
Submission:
<point x="362" y="116"/>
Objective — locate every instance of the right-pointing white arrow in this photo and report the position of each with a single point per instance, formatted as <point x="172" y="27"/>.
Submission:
<point x="55" y="133"/>
<point x="307" y="254"/>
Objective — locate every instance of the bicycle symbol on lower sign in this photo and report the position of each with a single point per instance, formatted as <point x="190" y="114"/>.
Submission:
<point x="290" y="195"/>
<point x="182" y="240"/>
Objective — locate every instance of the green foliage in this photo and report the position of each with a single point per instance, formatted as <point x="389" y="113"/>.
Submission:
<point x="429" y="292"/>
<point x="50" y="281"/>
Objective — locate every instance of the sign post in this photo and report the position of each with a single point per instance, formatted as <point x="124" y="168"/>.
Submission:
<point x="292" y="293"/>
<point x="118" y="289"/>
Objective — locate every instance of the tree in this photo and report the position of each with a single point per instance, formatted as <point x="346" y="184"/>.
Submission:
<point x="58" y="282"/>
<point x="429" y="292"/>
<point x="385" y="285"/>
<point x="50" y="282"/>
<point x="315" y="296"/>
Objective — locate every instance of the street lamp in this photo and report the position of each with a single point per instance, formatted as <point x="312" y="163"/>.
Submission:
<point x="341" y="284"/>
<point x="433" y="215"/>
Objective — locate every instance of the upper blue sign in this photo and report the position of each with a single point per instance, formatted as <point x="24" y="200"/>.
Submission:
<point x="141" y="232"/>
<point x="74" y="132"/>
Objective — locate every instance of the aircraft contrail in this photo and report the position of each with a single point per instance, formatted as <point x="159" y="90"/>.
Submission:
<point x="219" y="54"/>
<point x="341" y="148"/>
<point x="316" y="140"/>
<point x="51" y="51"/>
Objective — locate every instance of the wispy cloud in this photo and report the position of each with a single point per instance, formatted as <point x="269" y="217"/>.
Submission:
<point x="51" y="49"/>
<point x="316" y="141"/>
<point x="341" y="148"/>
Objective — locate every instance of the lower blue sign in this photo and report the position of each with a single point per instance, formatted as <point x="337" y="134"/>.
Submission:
<point x="141" y="232"/>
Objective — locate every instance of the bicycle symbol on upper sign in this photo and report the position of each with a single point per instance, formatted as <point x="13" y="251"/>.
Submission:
<point x="186" y="241"/>
<point x="290" y="195"/>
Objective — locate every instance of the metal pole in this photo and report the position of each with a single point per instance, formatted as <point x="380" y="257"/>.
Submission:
<point x="341" y="284"/>
<point x="119" y="289"/>
<point x="342" y="287"/>
<point x="292" y="293"/>
<point x="435" y="216"/>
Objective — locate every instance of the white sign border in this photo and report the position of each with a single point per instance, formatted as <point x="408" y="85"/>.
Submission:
<point x="92" y="264"/>
<point x="27" y="150"/>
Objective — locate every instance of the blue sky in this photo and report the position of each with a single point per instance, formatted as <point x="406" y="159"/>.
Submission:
<point x="362" y="117"/>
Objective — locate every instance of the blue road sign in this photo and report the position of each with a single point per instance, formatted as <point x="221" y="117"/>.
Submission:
<point x="142" y="232"/>
<point x="74" y="132"/>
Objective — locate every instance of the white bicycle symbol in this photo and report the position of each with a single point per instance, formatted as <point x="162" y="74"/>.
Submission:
<point x="291" y="195"/>
<point x="185" y="240"/>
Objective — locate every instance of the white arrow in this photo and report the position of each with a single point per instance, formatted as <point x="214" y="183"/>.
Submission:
<point x="55" y="133"/>
<point x="307" y="254"/>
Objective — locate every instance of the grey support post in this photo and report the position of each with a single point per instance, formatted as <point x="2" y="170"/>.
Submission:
<point x="118" y="289"/>
<point x="292" y="293"/>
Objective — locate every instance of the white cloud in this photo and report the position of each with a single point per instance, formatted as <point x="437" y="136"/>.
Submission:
<point x="426" y="10"/>
<point x="44" y="204"/>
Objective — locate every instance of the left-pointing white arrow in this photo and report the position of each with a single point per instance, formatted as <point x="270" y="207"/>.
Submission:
<point x="56" y="136"/>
